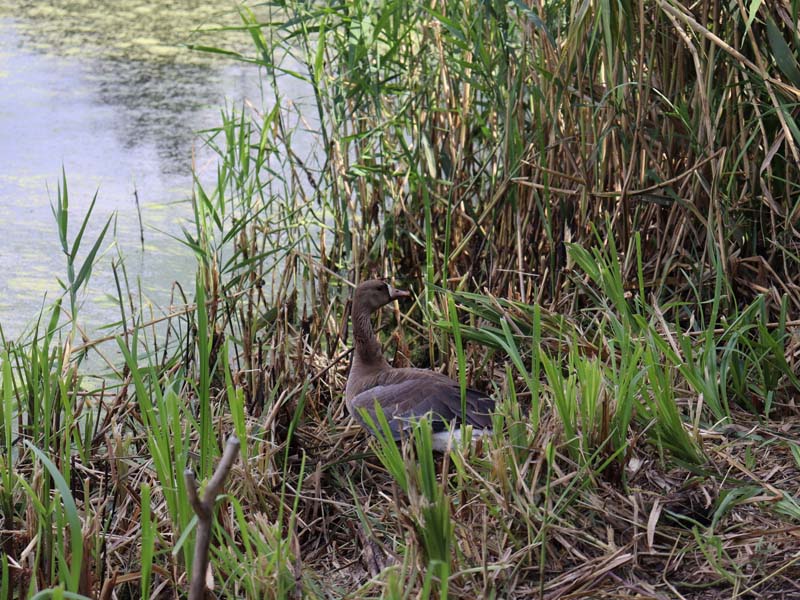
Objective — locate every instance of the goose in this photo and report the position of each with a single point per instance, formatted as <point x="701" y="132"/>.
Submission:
<point x="406" y="394"/>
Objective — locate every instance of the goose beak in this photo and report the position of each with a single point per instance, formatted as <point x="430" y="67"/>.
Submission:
<point x="396" y="294"/>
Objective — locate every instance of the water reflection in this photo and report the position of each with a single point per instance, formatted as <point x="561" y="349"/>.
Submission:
<point x="163" y="104"/>
<point x="107" y="91"/>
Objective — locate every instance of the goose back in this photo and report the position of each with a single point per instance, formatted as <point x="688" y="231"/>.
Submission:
<point x="405" y="395"/>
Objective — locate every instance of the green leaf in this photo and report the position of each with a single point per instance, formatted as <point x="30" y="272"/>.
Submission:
<point x="57" y="592"/>
<point x="782" y="54"/>
<point x="71" y="511"/>
<point x="319" y="59"/>
<point x="86" y="268"/>
<point x="77" y="242"/>
<point x="385" y="446"/>
<point x="6" y="411"/>
<point x="148" y="541"/>
<point x="751" y="12"/>
<point x="430" y="161"/>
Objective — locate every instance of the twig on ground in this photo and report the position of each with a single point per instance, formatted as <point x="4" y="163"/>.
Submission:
<point x="205" y="514"/>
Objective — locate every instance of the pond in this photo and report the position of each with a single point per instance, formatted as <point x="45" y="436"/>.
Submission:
<point x="111" y="94"/>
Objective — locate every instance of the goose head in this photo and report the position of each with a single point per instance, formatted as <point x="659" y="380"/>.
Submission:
<point x="375" y="293"/>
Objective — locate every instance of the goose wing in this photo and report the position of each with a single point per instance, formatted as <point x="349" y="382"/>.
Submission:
<point x="405" y="397"/>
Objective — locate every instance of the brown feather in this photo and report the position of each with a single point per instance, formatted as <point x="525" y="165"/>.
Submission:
<point x="403" y="394"/>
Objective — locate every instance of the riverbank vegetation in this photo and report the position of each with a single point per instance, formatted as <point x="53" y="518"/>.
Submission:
<point x="596" y="206"/>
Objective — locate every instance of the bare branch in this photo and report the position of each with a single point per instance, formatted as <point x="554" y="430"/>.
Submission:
<point x="205" y="514"/>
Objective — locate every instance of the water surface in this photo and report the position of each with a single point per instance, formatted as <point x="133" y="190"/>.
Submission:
<point x="109" y="92"/>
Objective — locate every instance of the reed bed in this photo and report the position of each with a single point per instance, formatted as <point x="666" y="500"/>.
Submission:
<point x="596" y="205"/>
